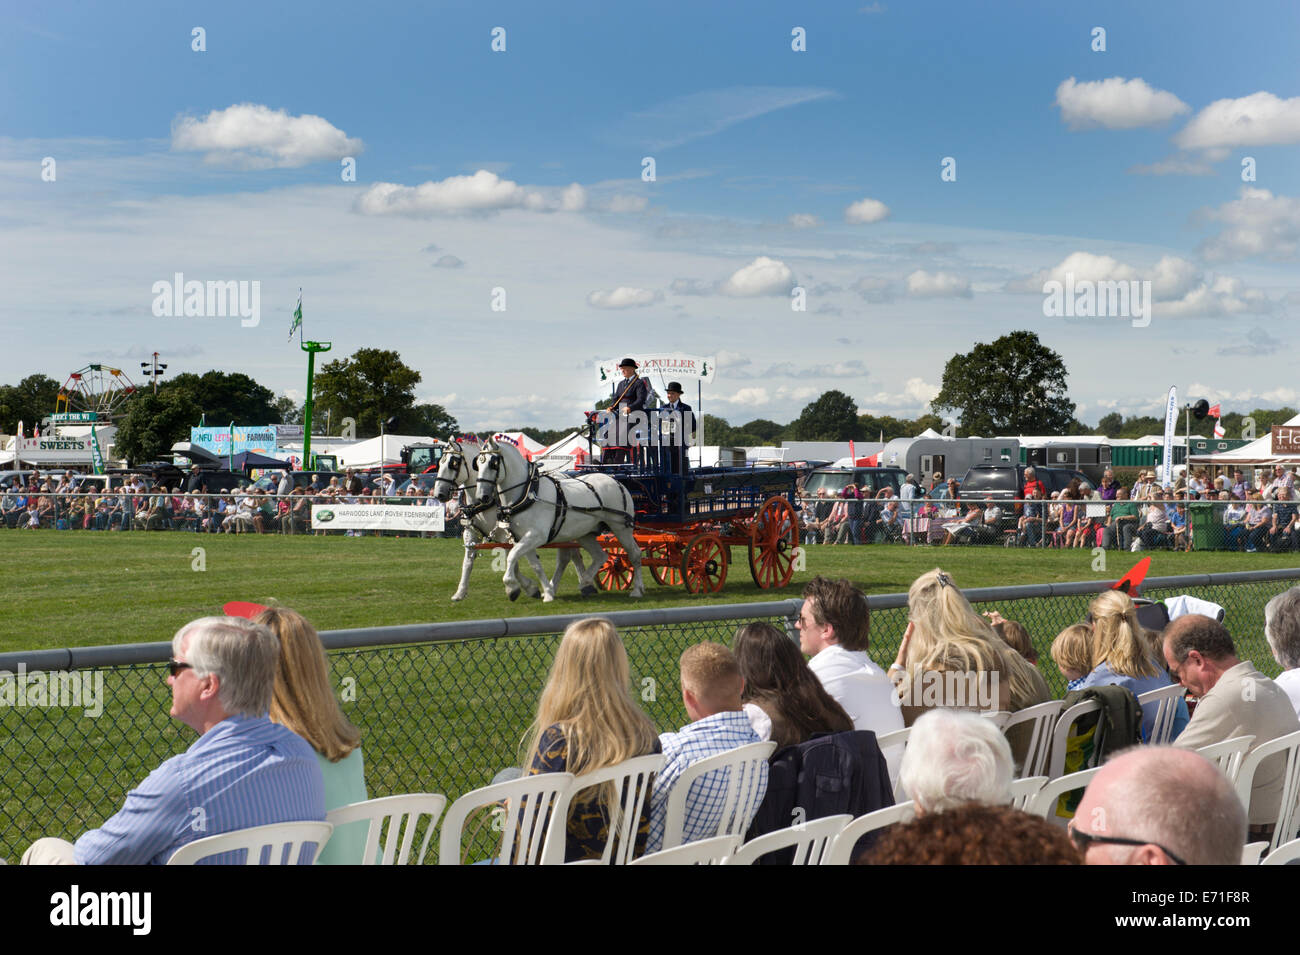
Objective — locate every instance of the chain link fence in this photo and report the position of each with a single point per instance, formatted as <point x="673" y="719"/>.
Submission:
<point x="444" y="707"/>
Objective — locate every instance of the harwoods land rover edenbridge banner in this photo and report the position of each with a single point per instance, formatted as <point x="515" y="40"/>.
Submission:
<point x="377" y="517"/>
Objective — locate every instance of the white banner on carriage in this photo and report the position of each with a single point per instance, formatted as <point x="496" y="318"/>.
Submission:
<point x="381" y="517"/>
<point x="669" y="367"/>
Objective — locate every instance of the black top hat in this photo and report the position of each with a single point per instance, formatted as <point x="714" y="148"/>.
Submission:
<point x="674" y="386"/>
<point x="627" y="363"/>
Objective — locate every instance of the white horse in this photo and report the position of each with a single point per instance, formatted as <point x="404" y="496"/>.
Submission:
<point x="542" y="508"/>
<point x="458" y="469"/>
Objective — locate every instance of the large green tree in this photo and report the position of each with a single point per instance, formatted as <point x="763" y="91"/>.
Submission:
<point x="428" y="419"/>
<point x="154" y="423"/>
<point x="1014" y="385"/>
<point x="832" y="417"/>
<point x="370" y="387"/>
<point x="28" y="401"/>
<point x="222" y="397"/>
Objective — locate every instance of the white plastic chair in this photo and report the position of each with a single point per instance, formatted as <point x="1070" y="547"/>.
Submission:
<point x="1042" y="718"/>
<point x="285" y="841"/>
<point x="1162" y="730"/>
<point x="743" y="768"/>
<point x="1283" y="854"/>
<point x="842" y="848"/>
<point x="1044" y="803"/>
<point x="894" y="746"/>
<point x="1024" y="790"/>
<point x="1251" y="852"/>
<point x="1228" y="755"/>
<point x="528" y="803"/>
<point x="402" y="814"/>
<point x="700" y="852"/>
<point x="1284" y="748"/>
<point x="1061" y="735"/>
<point x="632" y="780"/>
<point x="811" y="842"/>
<point x="1000" y="718"/>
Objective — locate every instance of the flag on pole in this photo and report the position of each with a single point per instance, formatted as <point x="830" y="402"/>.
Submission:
<point x="297" y="317"/>
<point x="1215" y="412"/>
<point x="1218" y="428"/>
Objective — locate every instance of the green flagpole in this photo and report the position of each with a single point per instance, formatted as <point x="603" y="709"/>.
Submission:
<point x="311" y="348"/>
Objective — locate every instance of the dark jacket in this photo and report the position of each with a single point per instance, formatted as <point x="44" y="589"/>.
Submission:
<point x="832" y="773"/>
<point x="634" y="392"/>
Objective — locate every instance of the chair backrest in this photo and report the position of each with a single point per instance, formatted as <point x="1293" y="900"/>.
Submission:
<point x="842" y="848"/>
<point x="1162" y="731"/>
<point x="894" y="745"/>
<point x="741" y="769"/>
<point x="1044" y="803"/>
<point x="402" y="815"/>
<point x="1284" y="748"/>
<point x="284" y="840"/>
<point x="1061" y="735"/>
<point x="1024" y="790"/>
<point x="1251" y="852"/>
<point x="1041" y="718"/>
<point x="524" y="824"/>
<point x="1283" y="854"/>
<point x="632" y="781"/>
<point x="811" y="842"/>
<point x="700" y="852"/>
<point x="1000" y="718"/>
<point x="1228" y="755"/>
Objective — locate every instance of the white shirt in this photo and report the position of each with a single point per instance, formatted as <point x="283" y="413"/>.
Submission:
<point x="859" y="686"/>
<point x="1289" y="681"/>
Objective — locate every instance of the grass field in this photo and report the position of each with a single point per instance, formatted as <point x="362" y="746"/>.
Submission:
<point x="78" y="589"/>
<point x="438" y="717"/>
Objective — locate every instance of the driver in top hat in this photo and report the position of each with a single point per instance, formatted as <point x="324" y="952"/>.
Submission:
<point x="631" y="393"/>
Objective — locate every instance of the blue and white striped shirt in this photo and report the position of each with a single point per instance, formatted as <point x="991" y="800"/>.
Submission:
<point x="708" y="796"/>
<point x="243" y="772"/>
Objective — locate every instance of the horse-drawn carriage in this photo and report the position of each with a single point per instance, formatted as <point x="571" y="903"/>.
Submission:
<point x="686" y="524"/>
<point x="681" y="526"/>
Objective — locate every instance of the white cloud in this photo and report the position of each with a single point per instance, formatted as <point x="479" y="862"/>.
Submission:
<point x="923" y="284"/>
<point x="851" y="368"/>
<point x="449" y="262"/>
<point x="804" y="220"/>
<point x="1083" y="265"/>
<point x="750" y="397"/>
<point x="866" y="211"/>
<point x="1260" y="119"/>
<point x="624" y="297"/>
<point x="1174" y="166"/>
<point x="1172" y="278"/>
<point x="1258" y="224"/>
<point x="915" y="395"/>
<point x="763" y="276"/>
<point x="1248" y="398"/>
<point x="257" y="137"/>
<point x="1116" y="103"/>
<point x="484" y="191"/>
<point x="802" y="393"/>
<point x="1224" y="295"/>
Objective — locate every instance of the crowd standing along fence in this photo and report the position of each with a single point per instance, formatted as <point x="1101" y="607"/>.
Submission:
<point x="1176" y="523"/>
<point x="443" y="707"/>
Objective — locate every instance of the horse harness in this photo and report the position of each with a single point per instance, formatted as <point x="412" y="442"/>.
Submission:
<point x="528" y="497"/>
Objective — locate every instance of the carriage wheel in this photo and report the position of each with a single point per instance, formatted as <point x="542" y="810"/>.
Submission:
<point x="704" y="564"/>
<point x="669" y="574"/>
<point x="773" y="540"/>
<point x="616" y="572"/>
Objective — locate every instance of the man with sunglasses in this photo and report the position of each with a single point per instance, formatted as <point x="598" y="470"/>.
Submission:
<point x="243" y="771"/>
<point x="1156" y="805"/>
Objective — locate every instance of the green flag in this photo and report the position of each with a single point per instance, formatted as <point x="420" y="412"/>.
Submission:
<point x="297" y="317"/>
<point x="96" y="455"/>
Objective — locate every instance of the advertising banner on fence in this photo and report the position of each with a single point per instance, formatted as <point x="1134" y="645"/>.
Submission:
<point x="377" y="517"/>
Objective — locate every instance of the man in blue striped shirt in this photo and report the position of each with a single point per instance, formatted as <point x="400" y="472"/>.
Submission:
<point x="243" y="771"/>
<point x="711" y="690"/>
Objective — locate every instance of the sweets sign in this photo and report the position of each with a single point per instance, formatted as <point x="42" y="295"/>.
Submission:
<point x="668" y="367"/>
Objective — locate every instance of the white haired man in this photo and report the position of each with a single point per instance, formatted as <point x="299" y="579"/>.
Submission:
<point x="1282" y="630"/>
<point x="243" y="771"/>
<point x="1157" y="805"/>
<point x="954" y="758"/>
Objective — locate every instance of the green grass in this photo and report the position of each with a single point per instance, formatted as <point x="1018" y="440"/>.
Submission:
<point x="79" y="589"/>
<point x="435" y="717"/>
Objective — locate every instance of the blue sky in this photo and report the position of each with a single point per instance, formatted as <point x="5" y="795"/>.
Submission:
<point x="225" y="165"/>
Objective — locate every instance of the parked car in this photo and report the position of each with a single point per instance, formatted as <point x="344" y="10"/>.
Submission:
<point x="834" y="480"/>
<point x="271" y="482"/>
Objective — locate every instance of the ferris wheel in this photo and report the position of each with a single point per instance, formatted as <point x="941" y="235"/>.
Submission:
<point x="101" y="389"/>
